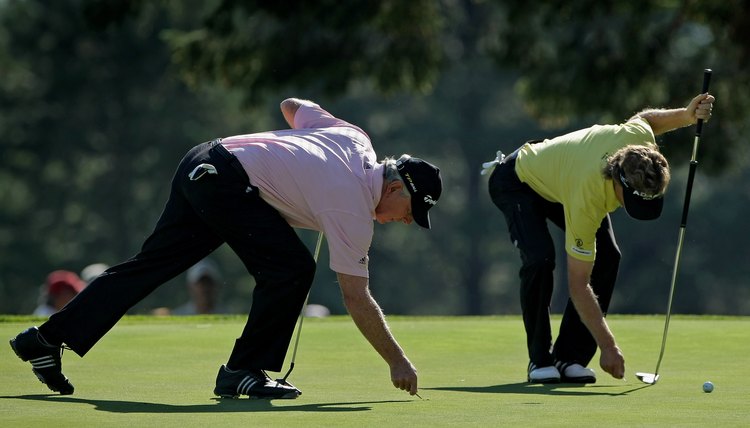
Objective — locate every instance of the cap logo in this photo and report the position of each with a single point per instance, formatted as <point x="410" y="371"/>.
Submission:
<point x="429" y="200"/>
<point x="644" y="195"/>
<point x="411" y="182"/>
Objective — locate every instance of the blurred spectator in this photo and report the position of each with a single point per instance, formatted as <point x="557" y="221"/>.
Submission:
<point x="60" y="287"/>
<point x="314" y="310"/>
<point x="204" y="286"/>
<point x="90" y="272"/>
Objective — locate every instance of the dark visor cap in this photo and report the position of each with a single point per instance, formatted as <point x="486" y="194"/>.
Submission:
<point x="425" y="185"/>
<point x="640" y="205"/>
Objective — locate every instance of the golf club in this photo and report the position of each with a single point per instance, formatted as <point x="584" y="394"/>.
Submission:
<point x="652" y="378"/>
<point x="301" y="318"/>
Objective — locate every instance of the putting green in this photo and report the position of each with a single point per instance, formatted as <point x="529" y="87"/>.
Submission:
<point x="160" y="372"/>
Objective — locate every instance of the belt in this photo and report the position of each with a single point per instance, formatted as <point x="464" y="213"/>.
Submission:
<point x="230" y="158"/>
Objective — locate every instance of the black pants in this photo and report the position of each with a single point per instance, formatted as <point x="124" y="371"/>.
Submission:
<point x="199" y="216"/>
<point x="526" y="214"/>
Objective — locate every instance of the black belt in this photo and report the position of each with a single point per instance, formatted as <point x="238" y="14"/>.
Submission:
<point x="511" y="158"/>
<point x="230" y="158"/>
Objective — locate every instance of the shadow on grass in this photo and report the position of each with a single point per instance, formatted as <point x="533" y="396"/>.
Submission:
<point x="569" y="389"/>
<point x="220" y="405"/>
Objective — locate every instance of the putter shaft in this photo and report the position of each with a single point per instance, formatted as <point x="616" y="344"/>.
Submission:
<point x="302" y="312"/>
<point x="652" y="378"/>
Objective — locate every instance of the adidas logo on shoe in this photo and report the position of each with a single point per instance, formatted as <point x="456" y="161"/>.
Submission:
<point x="575" y="373"/>
<point x="45" y="359"/>
<point x="254" y="384"/>
<point x="548" y="374"/>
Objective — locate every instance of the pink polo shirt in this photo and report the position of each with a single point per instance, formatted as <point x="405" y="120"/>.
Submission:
<point x="322" y="175"/>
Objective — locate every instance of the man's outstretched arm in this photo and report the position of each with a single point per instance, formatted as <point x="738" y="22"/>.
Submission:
<point x="368" y="317"/>
<point x="587" y="306"/>
<point x="665" y="120"/>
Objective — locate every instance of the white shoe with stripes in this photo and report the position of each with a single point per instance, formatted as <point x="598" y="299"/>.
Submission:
<point x="547" y="374"/>
<point x="575" y="373"/>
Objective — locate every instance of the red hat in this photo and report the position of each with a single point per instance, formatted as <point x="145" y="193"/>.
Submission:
<point x="58" y="280"/>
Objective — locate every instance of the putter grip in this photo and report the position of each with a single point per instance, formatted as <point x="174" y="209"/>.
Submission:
<point x="706" y="82"/>
<point x="688" y="192"/>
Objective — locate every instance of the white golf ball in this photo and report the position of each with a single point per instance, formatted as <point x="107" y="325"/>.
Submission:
<point x="708" y="386"/>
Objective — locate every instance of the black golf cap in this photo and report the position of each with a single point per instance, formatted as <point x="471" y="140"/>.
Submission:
<point x="640" y="205"/>
<point x="425" y="185"/>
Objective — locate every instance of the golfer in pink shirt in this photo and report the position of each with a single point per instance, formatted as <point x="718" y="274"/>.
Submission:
<point x="251" y="191"/>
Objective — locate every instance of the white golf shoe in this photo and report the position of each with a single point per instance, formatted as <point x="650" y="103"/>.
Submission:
<point x="548" y="374"/>
<point x="575" y="373"/>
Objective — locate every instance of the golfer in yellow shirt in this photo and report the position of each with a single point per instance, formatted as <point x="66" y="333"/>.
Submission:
<point x="575" y="181"/>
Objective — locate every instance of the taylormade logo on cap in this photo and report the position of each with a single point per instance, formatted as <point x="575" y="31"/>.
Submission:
<point x="407" y="176"/>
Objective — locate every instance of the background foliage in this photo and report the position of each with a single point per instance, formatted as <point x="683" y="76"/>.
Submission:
<point x="100" y="99"/>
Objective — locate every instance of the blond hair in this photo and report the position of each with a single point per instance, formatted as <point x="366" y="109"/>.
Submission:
<point x="644" y="168"/>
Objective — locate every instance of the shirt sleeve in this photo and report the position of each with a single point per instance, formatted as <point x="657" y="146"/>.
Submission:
<point x="580" y="235"/>
<point x="349" y="238"/>
<point x="310" y="115"/>
<point x="641" y="128"/>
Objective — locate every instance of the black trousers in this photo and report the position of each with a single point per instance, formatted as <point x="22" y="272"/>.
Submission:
<point x="200" y="215"/>
<point x="526" y="214"/>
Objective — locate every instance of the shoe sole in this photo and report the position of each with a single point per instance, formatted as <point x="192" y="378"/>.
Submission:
<point x="547" y="380"/>
<point x="287" y="396"/>
<point x="582" y="379"/>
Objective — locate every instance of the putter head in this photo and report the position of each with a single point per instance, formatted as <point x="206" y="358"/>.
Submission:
<point x="282" y="381"/>
<point x="649" y="378"/>
<point x="296" y="393"/>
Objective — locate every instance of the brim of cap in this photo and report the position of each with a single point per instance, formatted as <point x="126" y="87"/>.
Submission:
<point x="642" y="209"/>
<point x="422" y="218"/>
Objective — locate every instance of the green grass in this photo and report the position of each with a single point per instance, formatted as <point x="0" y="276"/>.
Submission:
<point x="161" y="371"/>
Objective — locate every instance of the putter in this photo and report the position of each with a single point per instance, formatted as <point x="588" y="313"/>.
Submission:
<point x="301" y="318"/>
<point x="652" y="378"/>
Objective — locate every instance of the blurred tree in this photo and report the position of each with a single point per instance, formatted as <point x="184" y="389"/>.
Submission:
<point x="611" y="59"/>
<point x="93" y="125"/>
<point x="579" y="62"/>
<point x="328" y="47"/>
<point x="94" y="118"/>
<point x="601" y="60"/>
<point x="262" y="46"/>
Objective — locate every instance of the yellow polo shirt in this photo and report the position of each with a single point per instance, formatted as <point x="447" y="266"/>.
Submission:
<point x="568" y="170"/>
